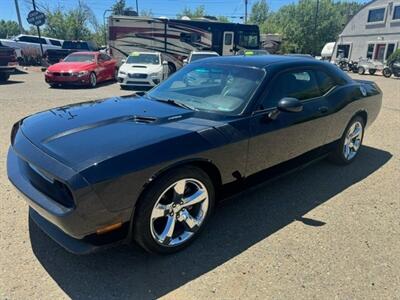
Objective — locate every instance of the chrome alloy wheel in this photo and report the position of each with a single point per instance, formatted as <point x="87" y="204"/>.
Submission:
<point x="352" y="141"/>
<point x="179" y="212"/>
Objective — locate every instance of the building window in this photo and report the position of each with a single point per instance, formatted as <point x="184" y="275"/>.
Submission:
<point x="376" y="15"/>
<point x="396" y="13"/>
<point x="370" y="50"/>
<point x="390" y="50"/>
<point x="343" y="51"/>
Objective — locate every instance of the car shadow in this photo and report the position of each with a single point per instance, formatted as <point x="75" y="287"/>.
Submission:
<point x="244" y="219"/>
<point x="79" y="87"/>
<point x="11" y="81"/>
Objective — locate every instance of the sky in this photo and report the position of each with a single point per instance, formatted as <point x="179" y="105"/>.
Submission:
<point x="167" y="8"/>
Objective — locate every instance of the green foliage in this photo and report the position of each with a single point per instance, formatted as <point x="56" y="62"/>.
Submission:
<point x="8" y="29"/>
<point x="120" y="8"/>
<point x="223" y="19"/>
<point x="146" y="13"/>
<point x="393" y="57"/>
<point x="198" y="12"/>
<point x="301" y="34"/>
<point x="259" y="12"/>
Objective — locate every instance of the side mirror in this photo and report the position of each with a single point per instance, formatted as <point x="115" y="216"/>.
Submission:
<point x="290" y="105"/>
<point x="185" y="61"/>
<point x="123" y="61"/>
<point x="165" y="63"/>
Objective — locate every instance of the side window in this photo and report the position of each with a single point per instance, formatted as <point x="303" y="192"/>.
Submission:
<point x="325" y="82"/>
<point x="228" y="39"/>
<point x="300" y="84"/>
<point x="55" y="42"/>
<point x="104" y="57"/>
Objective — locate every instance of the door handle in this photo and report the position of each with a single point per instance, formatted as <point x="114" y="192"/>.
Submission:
<point x="323" y="109"/>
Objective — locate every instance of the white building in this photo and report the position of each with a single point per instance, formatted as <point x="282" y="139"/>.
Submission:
<point x="373" y="32"/>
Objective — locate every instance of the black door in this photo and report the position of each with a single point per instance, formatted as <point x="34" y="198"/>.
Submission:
<point x="288" y="134"/>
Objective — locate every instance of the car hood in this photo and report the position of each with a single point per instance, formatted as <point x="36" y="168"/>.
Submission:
<point x="71" y="66"/>
<point x="140" y="68"/>
<point x="85" y="134"/>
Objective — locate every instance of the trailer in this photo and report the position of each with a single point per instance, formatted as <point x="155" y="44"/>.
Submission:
<point x="177" y="38"/>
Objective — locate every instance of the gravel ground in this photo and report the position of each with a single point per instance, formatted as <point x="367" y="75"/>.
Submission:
<point x="322" y="232"/>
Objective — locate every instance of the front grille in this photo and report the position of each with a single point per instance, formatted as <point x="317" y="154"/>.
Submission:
<point x="49" y="186"/>
<point x="63" y="74"/>
<point x="138" y="82"/>
<point x="137" y="75"/>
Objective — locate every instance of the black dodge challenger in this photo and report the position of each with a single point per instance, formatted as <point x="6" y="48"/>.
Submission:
<point x="148" y="168"/>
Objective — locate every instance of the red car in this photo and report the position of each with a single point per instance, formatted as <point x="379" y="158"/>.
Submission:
<point x="82" y="68"/>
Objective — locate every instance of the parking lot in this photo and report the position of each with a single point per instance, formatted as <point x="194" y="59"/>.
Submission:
<point x="323" y="232"/>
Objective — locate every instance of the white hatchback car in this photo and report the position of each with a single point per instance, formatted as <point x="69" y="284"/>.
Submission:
<point x="142" y="69"/>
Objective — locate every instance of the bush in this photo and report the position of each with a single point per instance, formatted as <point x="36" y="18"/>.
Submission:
<point x="394" y="56"/>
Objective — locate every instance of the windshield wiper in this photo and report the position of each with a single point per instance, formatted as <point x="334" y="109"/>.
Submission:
<point x="176" y="103"/>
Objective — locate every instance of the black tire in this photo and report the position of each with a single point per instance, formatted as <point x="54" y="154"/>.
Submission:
<point x="142" y="219"/>
<point x="115" y="74"/>
<point x="4" y="77"/>
<point x="361" y="70"/>
<point x="371" y="71"/>
<point x="92" y="80"/>
<point x="53" y="85"/>
<point x="387" y="72"/>
<point x="171" y="69"/>
<point x="337" y="156"/>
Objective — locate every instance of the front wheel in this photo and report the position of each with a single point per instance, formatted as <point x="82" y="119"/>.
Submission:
<point x="4" y="77"/>
<point x="386" y="72"/>
<point x="361" y="70"/>
<point x="371" y="71"/>
<point x="347" y="148"/>
<point x="173" y="211"/>
<point x="92" y="80"/>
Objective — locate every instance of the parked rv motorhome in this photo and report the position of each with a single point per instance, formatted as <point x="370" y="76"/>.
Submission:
<point x="177" y="38"/>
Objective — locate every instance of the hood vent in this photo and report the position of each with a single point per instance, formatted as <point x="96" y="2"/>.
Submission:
<point x="142" y="119"/>
<point x="143" y="67"/>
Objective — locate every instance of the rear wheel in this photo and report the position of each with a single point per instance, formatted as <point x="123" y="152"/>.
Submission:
<point x="347" y="148"/>
<point x="173" y="211"/>
<point x="361" y="70"/>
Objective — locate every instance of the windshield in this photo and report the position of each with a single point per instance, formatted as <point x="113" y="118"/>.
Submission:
<point x="143" y="58"/>
<point x="80" y="58"/>
<point x="217" y="88"/>
<point x="201" y="56"/>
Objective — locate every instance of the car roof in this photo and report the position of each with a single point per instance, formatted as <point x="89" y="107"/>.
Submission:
<point x="259" y="61"/>
<point x="204" y="52"/>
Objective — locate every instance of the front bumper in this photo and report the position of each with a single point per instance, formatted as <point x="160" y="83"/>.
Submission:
<point x="125" y="80"/>
<point x="79" y="221"/>
<point x="73" y="80"/>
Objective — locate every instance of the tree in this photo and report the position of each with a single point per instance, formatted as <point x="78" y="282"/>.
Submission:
<point x="394" y="57"/>
<point x="259" y="12"/>
<point x="8" y="29"/>
<point x="198" y="12"/>
<point x="146" y="13"/>
<point x="296" y="24"/>
<point x="120" y="8"/>
<point x="223" y="19"/>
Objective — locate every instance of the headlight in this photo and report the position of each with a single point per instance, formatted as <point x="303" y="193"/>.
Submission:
<point x="122" y="72"/>
<point x="155" y="74"/>
<point x="82" y="73"/>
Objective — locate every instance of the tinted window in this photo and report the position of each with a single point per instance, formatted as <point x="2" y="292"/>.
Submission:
<point x="389" y="50"/>
<point x="55" y="42"/>
<point x="201" y="56"/>
<point x="396" y="13"/>
<point x="189" y="38"/>
<point x="104" y="57"/>
<point x="75" y="45"/>
<point x="228" y="39"/>
<point x="343" y="51"/>
<point x="325" y="82"/>
<point x="32" y="39"/>
<point x="376" y="15"/>
<point x="296" y="84"/>
<point x="248" y="39"/>
<point x="370" y="50"/>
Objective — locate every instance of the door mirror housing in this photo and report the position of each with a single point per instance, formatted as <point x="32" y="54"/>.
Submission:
<point x="123" y="61"/>
<point x="185" y="61"/>
<point x="165" y="63"/>
<point x="290" y="105"/>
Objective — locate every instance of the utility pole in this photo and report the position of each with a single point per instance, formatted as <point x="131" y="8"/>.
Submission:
<point x="315" y="27"/>
<point x="21" y="29"/>
<point x="38" y="30"/>
<point x="246" y="2"/>
<point x="137" y="7"/>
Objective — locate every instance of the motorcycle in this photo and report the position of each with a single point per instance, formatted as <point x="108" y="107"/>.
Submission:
<point x="392" y="68"/>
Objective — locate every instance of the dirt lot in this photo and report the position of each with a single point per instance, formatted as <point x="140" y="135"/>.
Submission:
<point x="322" y="232"/>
